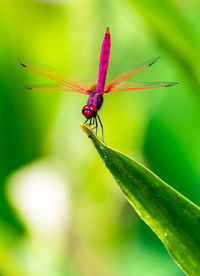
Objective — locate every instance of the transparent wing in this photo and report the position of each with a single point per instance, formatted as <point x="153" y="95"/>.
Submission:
<point x="54" y="75"/>
<point x="130" y="86"/>
<point x="124" y="76"/>
<point x="52" y="87"/>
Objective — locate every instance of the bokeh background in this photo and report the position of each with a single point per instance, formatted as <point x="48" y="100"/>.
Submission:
<point x="61" y="212"/>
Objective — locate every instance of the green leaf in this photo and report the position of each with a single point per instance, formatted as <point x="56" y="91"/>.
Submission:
<point x="174" y="219"/>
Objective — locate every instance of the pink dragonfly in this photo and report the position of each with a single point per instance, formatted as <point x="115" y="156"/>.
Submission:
<point x="96" y="92"/>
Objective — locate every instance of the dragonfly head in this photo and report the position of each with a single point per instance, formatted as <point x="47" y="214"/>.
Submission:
<point x="89" y="111"/>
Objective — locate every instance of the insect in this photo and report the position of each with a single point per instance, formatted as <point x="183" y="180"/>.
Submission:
<point x="96" y="92"/>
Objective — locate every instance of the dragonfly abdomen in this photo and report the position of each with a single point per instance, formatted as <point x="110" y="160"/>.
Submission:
<point x="104" y="60"/>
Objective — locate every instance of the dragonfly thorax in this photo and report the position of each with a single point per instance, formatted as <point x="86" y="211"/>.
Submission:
<point x="89" y="111"/>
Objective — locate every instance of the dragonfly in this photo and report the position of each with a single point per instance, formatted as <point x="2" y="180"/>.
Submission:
<point x="96" y="91"/>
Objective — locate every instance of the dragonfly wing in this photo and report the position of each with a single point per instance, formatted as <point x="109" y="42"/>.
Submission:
<point x="124" y="76"/>
<point x="52" y="87"/>
<point x="130" y="86"/>
<point x="54" y="75"/>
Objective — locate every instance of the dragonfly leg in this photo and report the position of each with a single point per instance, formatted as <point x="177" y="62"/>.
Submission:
<point x="96" y="124"/>
<point x="93" y="121"/>
<point x="101" y="128"/>
<point x="90" y="122"/>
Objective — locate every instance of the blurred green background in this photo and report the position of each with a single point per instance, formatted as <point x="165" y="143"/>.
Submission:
<point x="61" y="212"/>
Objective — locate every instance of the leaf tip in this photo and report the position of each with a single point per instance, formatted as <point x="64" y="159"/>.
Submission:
<point x="88" y="131"/>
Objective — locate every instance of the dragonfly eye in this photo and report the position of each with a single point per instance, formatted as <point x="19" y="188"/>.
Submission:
<point x="89" y="111"/>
